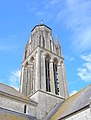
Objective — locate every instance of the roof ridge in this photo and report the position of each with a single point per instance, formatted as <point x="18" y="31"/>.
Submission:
<point x="81" y="98"/>
<point x="41" y="24"/>
<point x="78" y="92"/>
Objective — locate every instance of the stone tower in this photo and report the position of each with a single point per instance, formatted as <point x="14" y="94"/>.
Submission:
<point x="43" y="65"/>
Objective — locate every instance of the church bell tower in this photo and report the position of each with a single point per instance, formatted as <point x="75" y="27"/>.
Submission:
<point x="43" y="65"/>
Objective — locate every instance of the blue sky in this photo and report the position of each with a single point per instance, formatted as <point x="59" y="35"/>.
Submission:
<point x="70" y="20"/>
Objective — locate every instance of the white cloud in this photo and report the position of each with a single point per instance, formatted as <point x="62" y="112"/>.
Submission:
<point x="77" y="13"/>
<point x="79" y="21"/>
<point x="52" y="4"/>
<point x="72" y="82"/>
<point x="84" y="72"/>
<point x="14" y="79"/>
<point x="73" y="15"/>
<point x="73" y="92"/>
<point x="76" y="17"/>
<point x="86" y="57"/>
<point x="69" y="58"/>
<point x="83" y="40"/>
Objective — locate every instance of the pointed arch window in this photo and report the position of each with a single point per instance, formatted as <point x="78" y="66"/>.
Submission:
<point x="56" y="78"/>
<point x="47" y="70"/>
<point x="32" y="75"/>
<point x="57" y="50"/>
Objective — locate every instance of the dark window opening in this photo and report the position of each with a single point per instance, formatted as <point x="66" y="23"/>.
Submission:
<point x="50" y="46"/>
<point x="32" y="77"/>
<point x="26" y="90"/>
<point x="25" y="107"/>
<point x="40" y="40"/>
<point x="57" y="51"/>
<point x="48" y="87"/>
<point x="56" y="78"/>
<point x="43" y="42"/>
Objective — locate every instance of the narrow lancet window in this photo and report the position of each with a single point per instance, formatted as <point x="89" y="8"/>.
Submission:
<point x="48" y="88"/>
<point x="50" y="46"/>
<point x="40" y="40"/>
<point x="57" y="51"/>
<point x="43" y="42"/>
<point x="32" y="74"/>
<point x="56" y="79"/>
<point x="26" y="78"/>
<point x="25" y="107"/>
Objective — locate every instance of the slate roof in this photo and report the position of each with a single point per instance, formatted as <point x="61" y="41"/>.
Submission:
<point x="11" y="115"/>
<point x="10" y="90"/>
<point x="72" y="104"/>
<point x="53" y="111"/>
<point x="41" y="25"/>
<point x="13" y="92"/>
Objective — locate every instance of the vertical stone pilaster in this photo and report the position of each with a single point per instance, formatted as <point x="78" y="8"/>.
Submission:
<point x="24" y="81"/>
<point x="37" y="78"/>
<point x="34" y="71"/>
<point x="90" y="110"/>
<point x="52" y="45"/>
<point x="43" y="85"/>
<point x="21" y="79"/>
<point x="62" y="80"/>
<point x="52" y="77"/>
<point x="29" y="81"/>
<point x="41" y="40"/>
<point x="65" y="81"/>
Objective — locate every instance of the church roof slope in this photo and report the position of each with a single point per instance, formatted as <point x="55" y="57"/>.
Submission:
<point x="8" y="90"/>
<point x="74" y="103"/>
<point x="6" y="114"/>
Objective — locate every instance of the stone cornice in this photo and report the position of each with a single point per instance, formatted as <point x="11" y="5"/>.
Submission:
<point x="42" y="49"/>
<point x="49" y="93"/>
<point x="28" y="101"/>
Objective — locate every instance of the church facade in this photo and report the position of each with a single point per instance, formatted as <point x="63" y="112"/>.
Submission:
<point x="43" y="93"/>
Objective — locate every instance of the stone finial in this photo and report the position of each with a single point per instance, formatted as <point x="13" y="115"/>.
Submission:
<point x="57" y="41"/>
<point x="26" y="46"/>
<point x="41" y="22"/>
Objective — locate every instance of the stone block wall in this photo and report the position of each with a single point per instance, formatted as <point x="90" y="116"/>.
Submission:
<point x="46" y="101"/>
<point x="80" y="115"/>
<point x="17" y="105"/>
